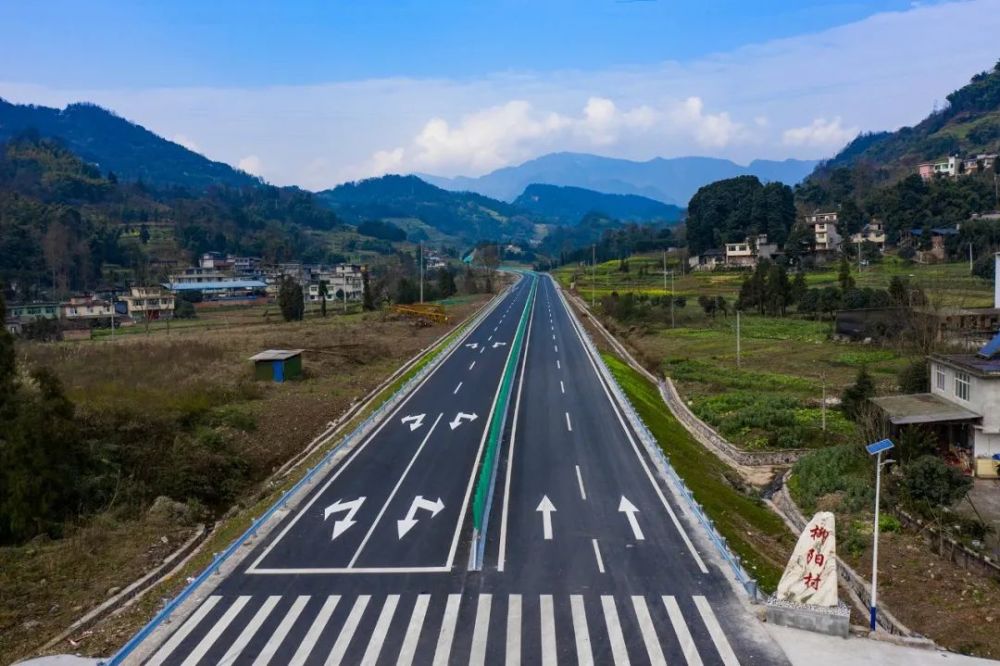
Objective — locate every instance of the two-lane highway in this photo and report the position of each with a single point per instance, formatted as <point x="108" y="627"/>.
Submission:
<point x="587" y="558"/>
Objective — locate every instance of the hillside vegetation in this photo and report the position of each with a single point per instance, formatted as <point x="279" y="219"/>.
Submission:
<point x="569" y="205"/>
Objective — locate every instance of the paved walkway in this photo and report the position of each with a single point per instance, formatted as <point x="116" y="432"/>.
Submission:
<point x="809" y="649"/>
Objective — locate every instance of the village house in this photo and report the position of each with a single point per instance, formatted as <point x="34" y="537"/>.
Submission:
<point x="343" y="282"/>
<point x="937" y="251"/>
<point x="28" y="312"/>
<point x="84" y="308"/>
<point x="873" y="232"/>
<point x="824" y="227"/>
<point x="745" y="254"/>
<point x="708" y="260"/>
<point x="149" y="303"/>
<point x="955" y="166"/>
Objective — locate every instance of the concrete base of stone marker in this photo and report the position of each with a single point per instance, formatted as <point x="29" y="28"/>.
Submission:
<point x="802" y="617"/>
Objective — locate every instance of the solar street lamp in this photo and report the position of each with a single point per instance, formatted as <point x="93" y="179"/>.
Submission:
<point x="877" y="449"/>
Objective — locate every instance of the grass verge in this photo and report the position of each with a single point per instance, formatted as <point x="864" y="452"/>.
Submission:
<point x="756" y="534"/>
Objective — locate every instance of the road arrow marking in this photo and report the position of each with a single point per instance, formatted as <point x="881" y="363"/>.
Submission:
<point x="352" y="507"/>
<point x="406" y="524"/>
<point x="415" y="421"/>
<point x="630" y="510"/>
<point x="547" y="509"/>
<point x="499" y="344"/>
<point x="472" y="345"/>
<point x="462" y="416"/>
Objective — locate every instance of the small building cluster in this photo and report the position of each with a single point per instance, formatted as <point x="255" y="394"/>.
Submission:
<point x="80" y="313"/>
<point x="954" y="166"/>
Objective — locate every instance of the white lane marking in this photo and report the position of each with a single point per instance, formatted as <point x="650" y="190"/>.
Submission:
<point x="562" y="387"/>
<point x="635" y="447"/>
<point x="502" y="552"/>
<point x="579" y="479"/>
<point x="395" y="489"/>
<point x="513" y="630"/>
<point x="457" y="388"/>
<point x="630" y="510"/>
<point x="496" y="327"/>
<point x="546" y="508"/>
<point x="381" y="629"/>
<point x="234" y="651"/>
<point x="715" y="631"/>
<point x="480" y="631"/>
<point x="649" y="637"/>
<point x="553" y="336"/>
<point x="569" y="426"/>
<point x="597" y="554"/>
<point x="315" y="631"/>
<point x="556" y="347"/>
<point x="482" y="349"/>
<point x="175" y="640"/>
<point x="584" y="653"/>
<point x="412" y="637"/>
<point x="347" y="633"/>
<point x="472" y="365"/>
<point x="683" y="634"/>
<point x="281" y="631"/>
<point x="443" y="650"/>
<point x="213" y="634"/>
<point x="558" y="365"/>
<point x="548" y="630"/>
<point x="618" y="650"/>
<point x="489" y="338"/>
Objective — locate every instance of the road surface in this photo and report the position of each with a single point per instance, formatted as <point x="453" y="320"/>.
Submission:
<point x="586" y="557"/>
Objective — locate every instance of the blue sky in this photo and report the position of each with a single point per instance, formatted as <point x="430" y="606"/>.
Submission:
<point x="316" y="93"/>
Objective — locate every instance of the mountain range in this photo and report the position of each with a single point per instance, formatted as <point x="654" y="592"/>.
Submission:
<point x="568" y="205"/>
<point x="669" y="180"/>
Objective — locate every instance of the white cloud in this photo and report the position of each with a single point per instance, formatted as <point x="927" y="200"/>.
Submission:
<point x="821" y="133"/>
<point x="813" y="92"/>
<point x="251" y="164"/>
<point x="188" y="143"/>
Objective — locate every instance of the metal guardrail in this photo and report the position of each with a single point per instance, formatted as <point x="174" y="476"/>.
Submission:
<point x="652" y="447"/>
<point x="359" y="432"/>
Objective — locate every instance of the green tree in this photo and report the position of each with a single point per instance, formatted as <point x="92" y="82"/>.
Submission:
<point x="856" y="396"/>
<point x="367" y="297"/>
<point x="844" y="278"/>
<point x="446" y="282"/>
<point x="799" y="286"/>
<point x="915" y="377"/>
<point x="323" y="293"/>
<point x="931" y="484"/>
<point x="290" y="300"/>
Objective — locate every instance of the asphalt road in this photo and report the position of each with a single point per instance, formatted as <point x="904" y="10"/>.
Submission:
<point x="586" y="560"/>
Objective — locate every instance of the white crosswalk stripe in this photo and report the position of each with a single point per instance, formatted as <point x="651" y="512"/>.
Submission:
<point x="451" y="634"/>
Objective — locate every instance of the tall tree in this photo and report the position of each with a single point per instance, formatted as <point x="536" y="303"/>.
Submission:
<point x="323" y="293"/>
<point x="290" y="299"/>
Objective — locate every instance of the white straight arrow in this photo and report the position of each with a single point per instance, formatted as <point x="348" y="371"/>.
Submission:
<point x="630" y="510"/>
<point x="461" y="416"/>
<point x="547" y="509"/>
<point x="415" y="421"/>
<point x="499" y="344"/>
<point x="406" y="524"/>
<point x="472" y="345"/>
<point x="352" y="507"/>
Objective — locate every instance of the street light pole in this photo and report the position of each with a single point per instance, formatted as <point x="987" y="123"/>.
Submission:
<point x="877" y="449"/>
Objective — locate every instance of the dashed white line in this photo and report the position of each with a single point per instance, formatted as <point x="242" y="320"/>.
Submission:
<point x="597" y="554"/>
<point x="579" y="479"/>
<point x="556" y="347"/>
<point x="562" y="387"/>
<point x="457" y="388"/>
<point x="569" y="426"/>
<point x="472" y="365"/>
<point x="558" y="365"/>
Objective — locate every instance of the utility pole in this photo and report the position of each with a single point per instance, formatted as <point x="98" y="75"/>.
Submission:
<point x="421" y="272"/>
<point x="593" y="276"/>
<point x="823" y="403"/>
<point x="970" y="258"/>
<point x="672" y="299"/>
<point x="738" y="360"/>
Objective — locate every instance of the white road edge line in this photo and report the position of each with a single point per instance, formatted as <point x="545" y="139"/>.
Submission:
<point x="635" y="447"/>
<point x="579" y="479"/>
<point x="597" y="554"/>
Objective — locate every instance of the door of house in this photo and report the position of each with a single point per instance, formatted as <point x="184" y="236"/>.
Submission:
<point x="279" y="371"/>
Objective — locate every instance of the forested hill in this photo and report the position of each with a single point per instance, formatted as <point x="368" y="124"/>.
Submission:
<point x="568" y="205"/>
<point x="116" y="145"/>
<point x="65" y="226"/>
<point x="464" y="215"/>
<point x="968" y="125"/>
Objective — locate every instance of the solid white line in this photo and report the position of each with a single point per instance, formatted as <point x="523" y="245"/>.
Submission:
<point x="649" y="637"/>
<point x="472" y="365"/>
<point x="562" y="387"/>
<point x="513" y="630"/>
<point x="234" y="651"/>
<point x="345" y="570"/>
<point x="409" y="647"/>
<point x="480" y="631"/>
<point x="569" y="426"/>
<point x="618" y="649"/>
<point x="281" y="631"/>
<point x="635" y="447"/>
<point x="597" y="554"/>
<point x="186" y="628"/>
<point x="457" y="388"/>
<point x="213" y="634"/>
<point x="584" y="653"/>
<point x="315" y="631"/>
<point x="579" y="479"/>
<point x="548" y="629"/>
<point x="715" y="631"/>
<point x="381" y="629"/>
<point x="353" y="455"/>
<point x="683" y="634"/>
<point x="347" y="633"/>
<point x="443" y="650"/>
<point x="392" y="494"/>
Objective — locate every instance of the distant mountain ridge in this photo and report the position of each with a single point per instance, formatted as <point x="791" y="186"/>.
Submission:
<point x="568" y="205"/>
<point x="669" y="180"/>
<point x="110" y="142"/>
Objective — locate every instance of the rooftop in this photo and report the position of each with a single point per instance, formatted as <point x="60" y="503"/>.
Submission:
<point x="977" y="365"/>
<point x="218" y="284"/>
<point x="922" y="408"/>
<point x="276" y="354"/>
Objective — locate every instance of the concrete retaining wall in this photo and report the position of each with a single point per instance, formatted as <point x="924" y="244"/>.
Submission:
<point x="949" y="549"/>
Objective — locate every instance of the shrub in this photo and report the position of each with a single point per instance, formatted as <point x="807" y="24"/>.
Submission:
<point x="856" y="396"/>
<point x="931" y="484"/>
<point x="837" y="468"/>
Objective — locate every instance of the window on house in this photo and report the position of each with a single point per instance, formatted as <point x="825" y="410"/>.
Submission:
<point x="962" y="385"/>
<point x="940" y="379"/>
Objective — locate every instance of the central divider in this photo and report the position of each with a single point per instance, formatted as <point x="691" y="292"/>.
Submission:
<point x="483" y="498"/>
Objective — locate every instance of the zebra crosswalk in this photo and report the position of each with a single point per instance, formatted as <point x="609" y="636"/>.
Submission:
<point x="444" y="629"/>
